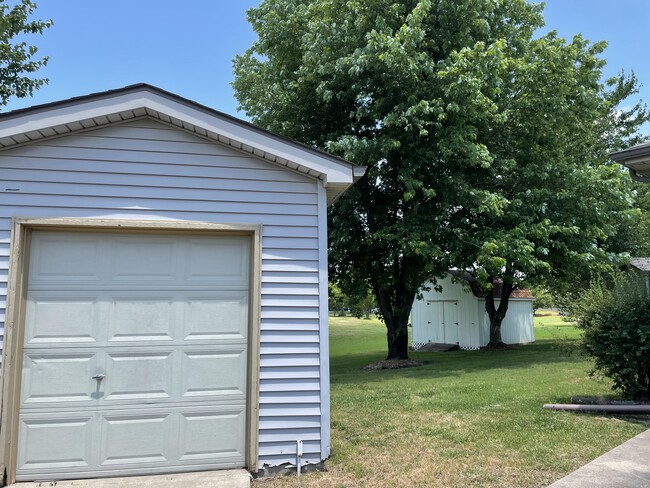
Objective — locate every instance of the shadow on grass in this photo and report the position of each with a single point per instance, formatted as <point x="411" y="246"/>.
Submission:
<point x="347" y="368"/>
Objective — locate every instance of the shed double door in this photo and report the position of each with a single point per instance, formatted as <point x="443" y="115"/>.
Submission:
<point x="135" y="355"/>
<point x="445" y="321"/>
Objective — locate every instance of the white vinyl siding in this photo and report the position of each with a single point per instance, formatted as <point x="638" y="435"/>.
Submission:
<point x="147" y="170"/>
<point x="517" y="326"/>
<point x="426" y="318"/>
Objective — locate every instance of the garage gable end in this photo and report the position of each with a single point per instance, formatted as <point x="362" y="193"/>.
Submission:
<point x="139" y="158"/>
<point x="114" y="106"/>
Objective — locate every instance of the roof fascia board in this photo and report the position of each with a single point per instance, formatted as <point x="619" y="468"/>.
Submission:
<point x="26" y="122"/>
<point x="329" y="168"/>
<point x="334" y="171"/>
<point x="632" y="164"/>
<point x="633" y="154"/>
<point x="635" y="160"/>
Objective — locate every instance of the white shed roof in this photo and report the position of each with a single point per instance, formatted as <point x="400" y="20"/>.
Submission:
<point x="141" y="100"/>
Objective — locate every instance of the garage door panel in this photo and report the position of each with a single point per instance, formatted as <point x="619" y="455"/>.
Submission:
<point x="57" y="378"/>
<point x="71" y="434"/>
<point x="138" y="375"/>
<point x="65" y="258"/>
<point x="216" y="316"/>
<point x="214" y="373"/>
<point x="142" y="259"/>
<point x="212" y="434"/>
<point x="136" y="438"/>
<point x="61" y="320"/>
<point x="139" y="317"/>
<point x="163" y="321"/>
<point x="223" y="261"/>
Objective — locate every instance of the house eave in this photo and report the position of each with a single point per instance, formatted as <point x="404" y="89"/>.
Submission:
<point x="637" y="160"/>
<point x="96" y="110"/>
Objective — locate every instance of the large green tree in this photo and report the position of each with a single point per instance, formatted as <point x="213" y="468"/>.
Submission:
<point x="18" y="60"/>
<point x="553" y="208"/>
<point x="485" y="144"/>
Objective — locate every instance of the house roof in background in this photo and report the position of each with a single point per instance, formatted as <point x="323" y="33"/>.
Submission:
<point x="642" y="264"/>
<point x="636" y="159"/>
<point x="141" y="100"/>
<point x="517" y="294"/>
<point x="524" y="294"/>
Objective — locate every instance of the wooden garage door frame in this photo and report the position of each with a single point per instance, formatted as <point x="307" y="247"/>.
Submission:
<point x="12" y="354"/>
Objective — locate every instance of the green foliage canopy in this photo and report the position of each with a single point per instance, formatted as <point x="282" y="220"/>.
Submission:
<point x="17" y="57"/>
<point x="486" y="146"/>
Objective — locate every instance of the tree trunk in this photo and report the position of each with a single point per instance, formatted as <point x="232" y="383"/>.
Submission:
<point x="497" y="315"/>
<point x="495" y="332"/>
<point x="398" y="337"/>
<point x="395" y="309"/>
<point x="396" y="320"/>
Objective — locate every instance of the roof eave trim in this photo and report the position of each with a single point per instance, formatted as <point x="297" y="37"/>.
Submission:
<point x="626" y="155"/>
<point x="326" y="167"/>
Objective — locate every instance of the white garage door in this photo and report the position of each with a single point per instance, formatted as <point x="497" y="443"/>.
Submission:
<point x="135" y="358"/>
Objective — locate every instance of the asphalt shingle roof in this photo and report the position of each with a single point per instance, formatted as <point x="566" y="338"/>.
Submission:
<point x="642" y="264"/>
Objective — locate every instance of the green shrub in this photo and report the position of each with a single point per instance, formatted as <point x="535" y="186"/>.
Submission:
<point x="615" y="318"/>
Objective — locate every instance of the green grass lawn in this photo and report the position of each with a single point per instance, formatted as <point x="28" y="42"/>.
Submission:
<point x="466" y="418"/>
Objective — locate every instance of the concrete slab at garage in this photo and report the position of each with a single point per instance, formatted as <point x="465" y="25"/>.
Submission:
<point x="230" y="478"/>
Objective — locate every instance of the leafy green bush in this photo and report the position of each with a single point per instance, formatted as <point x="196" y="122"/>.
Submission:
<point x="615" y="318"/>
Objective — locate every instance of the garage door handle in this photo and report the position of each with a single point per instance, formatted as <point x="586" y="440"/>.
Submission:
<point x="99" y="377"/>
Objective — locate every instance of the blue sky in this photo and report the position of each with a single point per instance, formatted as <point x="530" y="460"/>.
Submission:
<point x="187" y="47"/>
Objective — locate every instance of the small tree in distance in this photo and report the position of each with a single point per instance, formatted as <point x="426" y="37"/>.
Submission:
<point x="364" y="305"/>
<point x="486" y="145"/>
<point x="338" y="302"/>
<point x="543" y="299"/>
<point x="360" y="304"/>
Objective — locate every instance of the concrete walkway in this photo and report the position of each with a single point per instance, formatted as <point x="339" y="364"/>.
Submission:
<point x="230" y="478"/>
<point x="625" y="466"/>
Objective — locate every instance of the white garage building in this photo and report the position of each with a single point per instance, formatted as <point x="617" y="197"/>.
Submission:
<point x="164" y="274"/>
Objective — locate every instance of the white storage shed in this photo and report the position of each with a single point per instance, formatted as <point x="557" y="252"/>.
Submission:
<point x="456" y="315"/>
<point x="163" y="267"/>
